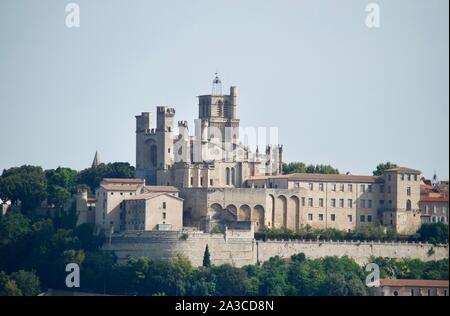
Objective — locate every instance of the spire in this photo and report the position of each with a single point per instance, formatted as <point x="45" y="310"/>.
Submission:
<point x="217" y="85"/>
<point x="96" y="160"/>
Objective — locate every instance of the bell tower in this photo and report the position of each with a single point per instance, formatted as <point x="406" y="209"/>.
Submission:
<point x="218" y="110"/>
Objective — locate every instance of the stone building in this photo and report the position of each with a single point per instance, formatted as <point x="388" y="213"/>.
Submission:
<point x="111" y="197"/>
<point x="152" y="211"/>
<point x="221" y="180"/>
<point x="434" y="207"/>
<point x="407" y="287"/>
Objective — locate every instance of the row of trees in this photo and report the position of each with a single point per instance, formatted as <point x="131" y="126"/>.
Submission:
<point x="435" y="233"/>
<point x="300" y="167"/>
<point x="31" y="185"/>
<point x="34" y="253"/>
<point x="38" y="249"/>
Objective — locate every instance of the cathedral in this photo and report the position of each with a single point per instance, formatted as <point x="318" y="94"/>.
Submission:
<point x="222" y="182"/>
<point x="211" y="158"/>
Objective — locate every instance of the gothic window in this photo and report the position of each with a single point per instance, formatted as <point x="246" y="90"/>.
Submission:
<point x="233" y="176"/>
<point x="227" y="175"/>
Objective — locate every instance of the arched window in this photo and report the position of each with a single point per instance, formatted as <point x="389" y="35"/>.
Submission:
<point x="227" y="175"/>
<point x="408" y="205"/>
<point x="233" y="176"/>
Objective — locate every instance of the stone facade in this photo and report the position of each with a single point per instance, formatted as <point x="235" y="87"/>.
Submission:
<point x="238" y="248"/>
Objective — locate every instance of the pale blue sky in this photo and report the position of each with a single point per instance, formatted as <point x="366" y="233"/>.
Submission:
<point x="340" y="93"/>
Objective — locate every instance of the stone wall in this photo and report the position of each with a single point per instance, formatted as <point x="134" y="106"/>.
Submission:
<point x="238" y="248"/>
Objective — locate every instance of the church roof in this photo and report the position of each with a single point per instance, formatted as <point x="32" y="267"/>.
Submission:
<point x="122" y="180"/>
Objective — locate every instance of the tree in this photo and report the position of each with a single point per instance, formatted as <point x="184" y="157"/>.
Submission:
<point x="26" y="184"/>
<point x="27" y="282"/>
<point x="230" y="280"/>
<point x="92" y="176"/>
<point x="62" y="177"/>
<point x="383" y="167"/>
<point x="206" y="258"/>
<point x="434" y="233"/>
<point x="300" y="167"/>
<point x="8" y="287"/>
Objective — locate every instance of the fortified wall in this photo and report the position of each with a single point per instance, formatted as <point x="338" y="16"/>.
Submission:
<point x="239" y="248"/>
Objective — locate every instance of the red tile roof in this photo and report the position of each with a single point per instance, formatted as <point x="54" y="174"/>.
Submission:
<point x="125" y="181"/>
<point x="434" y="197"/>
<point x="414" y="283"/>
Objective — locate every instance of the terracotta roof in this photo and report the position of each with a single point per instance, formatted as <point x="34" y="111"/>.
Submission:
<point x="404" y="169"/>
<point x="321" y="177"/>
<point x="434" y="197"/>
<point x="414" y="283"/>
<point x="160" y="188"/>
<point x="148" y="196"/>
<point x="119" y="180"/>
<point x="91" y="198"/>
<point x="118" y="187"/>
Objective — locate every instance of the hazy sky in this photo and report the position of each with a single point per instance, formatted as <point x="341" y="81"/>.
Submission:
<point x="339" y="92"/>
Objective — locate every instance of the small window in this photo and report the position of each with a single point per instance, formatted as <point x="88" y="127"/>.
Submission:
<point x="310" y="202"/>
<point x="350" y="203"/>
<point x="310" y="217"/>
<point x="164" y="215"/>
<point x="192" y="181"/>
<point x="311" y="186"/>
<point x="409" y="179"/>
<point x="363" y="188"/>
<point x="164" y="205"/>
<point x="341" y="188"/>
<point x="350" y="218"/>
<point x="350" y="188"/>
<point x="303" y="201"/>
<point x="369" y="218"/>
<point x="408" y="191"/>
<point x="333" y="217"/>
<point x="362" y="218"/>
<point x="341" y="203"/>
<point x="333" y="202"/>
<point x="211" y="182"/>
<point x="369" y="188"/>
<point x="333" y="187"/>
<point x="321" y="217"/>
<point x="320" y="202"/>
<point x="321" y="187"/>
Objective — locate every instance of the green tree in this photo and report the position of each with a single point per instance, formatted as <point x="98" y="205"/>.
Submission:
<point x="27" y="282"/>
<point x="206" y="258"/>
<point x="26" y="184"/>
<point x="230" y="280"/>
<point x="8" y="287"/>
<point x="383" y="167"/>
<point x="434" y="233"/>
<point x="300" y="167"/>
<point x="92" y="176"/>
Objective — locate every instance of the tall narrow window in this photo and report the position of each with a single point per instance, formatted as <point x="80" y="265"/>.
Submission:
<point x="227" y="176"/>
<point x="233" y="176"/>
<point x="408" y="205"/>
<point x="408" y="191"/>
